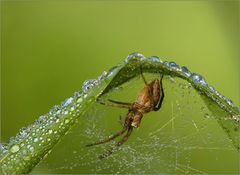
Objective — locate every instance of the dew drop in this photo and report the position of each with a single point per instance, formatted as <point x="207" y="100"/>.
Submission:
<point x="185" y="71"/>
<point x="31" y="149"/>
<point x="15" y="148"/>
<point x="12" y="141"/>
<point x="58" y="112"/>
<point x="229" y="102"/>
<point x="2" y="147"/>
<point x="173" y="66"/>
<point x="54" y="110"/>
<point x="66" y="121"/>
<point x="35" y="139"/>
<point x="166" y="63"/>
<point x="3" y="150"/>
<point x="78" y="94"/>
<point x="65" y="112"/>
<point x="79" y="100"/>
<point x="40" y="120"/>
<point x="236" y="118"/>
<point x="155" y="59"/>
<point x="198" y="79"/>
<point x="134" y="57"/>
<point x="23" y="132"/>
<point x="67" y="102"/>
<point x="102" y="76"/>
<point x="72" y="108"/>
<point x="50" y="131"/>
<point x="89" y="84"/>
<point x="211" y="88"/>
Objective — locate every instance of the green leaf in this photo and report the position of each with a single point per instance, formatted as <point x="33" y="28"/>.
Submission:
<point x="36" y="141"/>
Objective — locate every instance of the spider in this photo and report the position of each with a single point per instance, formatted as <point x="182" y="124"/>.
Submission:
<point x="149" y="99"/>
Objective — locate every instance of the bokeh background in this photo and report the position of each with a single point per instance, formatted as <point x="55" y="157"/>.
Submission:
<point x="48" y="48"/>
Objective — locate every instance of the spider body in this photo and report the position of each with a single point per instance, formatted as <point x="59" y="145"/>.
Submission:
<point x="149" y="99"/>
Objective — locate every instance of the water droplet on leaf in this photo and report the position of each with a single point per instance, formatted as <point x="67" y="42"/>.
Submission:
<point x="40" y="120"/>
<point x="155" y="59"/>
<point x="173" y="66"/>
<point x="186" y="72"/>
<point x="35" y="139"/>
<point x="14" y="148"/>
<point x="198" y="79"/>
<point x="134" y="57"/>
<point x="102" y="76"/>
<point x="67" y="102"/>
<point x="89" y="84"/>
<point x="66" y="121"/>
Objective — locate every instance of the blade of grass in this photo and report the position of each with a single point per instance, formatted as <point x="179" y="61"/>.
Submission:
<point x="35" y="142"/>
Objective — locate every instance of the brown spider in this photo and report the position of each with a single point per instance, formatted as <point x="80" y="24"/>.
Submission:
<point x="149" y="99"/>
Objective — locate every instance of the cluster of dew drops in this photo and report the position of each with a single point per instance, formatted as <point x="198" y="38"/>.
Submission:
<point x="58" y="114"/>
<point x="72" y="105"/>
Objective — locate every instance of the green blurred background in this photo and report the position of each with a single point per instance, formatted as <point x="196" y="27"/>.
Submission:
<point x="48" y="48"/>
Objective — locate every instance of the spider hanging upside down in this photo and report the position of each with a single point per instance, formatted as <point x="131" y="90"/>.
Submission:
<point x="149" y="99"/>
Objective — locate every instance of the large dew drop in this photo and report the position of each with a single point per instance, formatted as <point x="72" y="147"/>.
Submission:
<point x="175" y="66"/>
<point x="172" y="66"/>
<point x="198" y="79"/>
<point x="186" y="72"/>
<point x="134" y="57"/>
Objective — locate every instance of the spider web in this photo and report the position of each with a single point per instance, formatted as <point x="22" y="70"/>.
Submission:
<point x="182" y="137"/>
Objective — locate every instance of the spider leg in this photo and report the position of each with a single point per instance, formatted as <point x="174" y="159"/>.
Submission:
<point x="121" y="121"/>
<point x="124" y="139"/>
<point x="143" y="76"/>
<point x="145" y="81"/>
<point x="127" y="105"/>
<point x="161" y="96"/>
<point x="109" y="138"/>
<point x="114" y="103"/>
